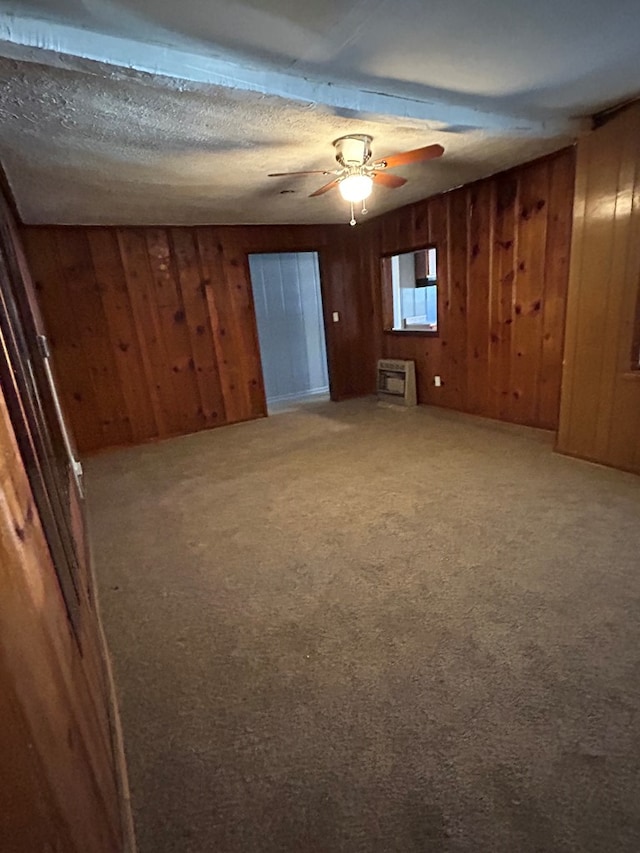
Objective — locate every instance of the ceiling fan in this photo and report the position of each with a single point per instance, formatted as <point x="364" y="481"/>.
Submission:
<point x="357" y="172"/>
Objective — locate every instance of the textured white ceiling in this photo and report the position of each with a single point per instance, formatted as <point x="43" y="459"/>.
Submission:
<point x="152" y="112"/>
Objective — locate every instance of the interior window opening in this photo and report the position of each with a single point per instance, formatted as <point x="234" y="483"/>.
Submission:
<point x="413" y="280"/>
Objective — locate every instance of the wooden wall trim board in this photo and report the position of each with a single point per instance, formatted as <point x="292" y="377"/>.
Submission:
<point x="153" y="330"/>
<point x="503" y="267"/>
<point x="600" y="408"/>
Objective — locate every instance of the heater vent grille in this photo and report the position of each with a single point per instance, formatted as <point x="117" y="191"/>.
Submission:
<point x="397" y="381"/>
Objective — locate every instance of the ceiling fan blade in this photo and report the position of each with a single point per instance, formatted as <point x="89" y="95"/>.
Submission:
<point x="418" y="155"/>
<point x="288" y="174"/>
<point x="392" y="182"/>
<point x="325" y="188"/>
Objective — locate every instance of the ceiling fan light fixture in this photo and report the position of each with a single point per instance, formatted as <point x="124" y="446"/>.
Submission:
<point x="355" y="188"/>
<point x="356" y="170"/>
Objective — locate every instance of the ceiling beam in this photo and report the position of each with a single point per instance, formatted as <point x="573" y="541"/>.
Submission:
<point x="60" y="45"/>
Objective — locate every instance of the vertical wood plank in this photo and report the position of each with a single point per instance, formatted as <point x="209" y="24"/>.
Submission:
<point x="623" y="323"/>
<point x="479" y="253"/>
<point x="239" y="283"/>
<point x="455" y="307"/>
<point x="198" y="325"/>
<point x="211" y="266"/>
<point x="123" y="336"/>
<point x="527" y="330"/>
<point x="572" y="324"/>
<point x="502" y="295"/>
<point x="556" y="279"/>
<point x="137" y="272"/>
<point x="372" y="271"/>
<point x="595" y="285"/>
<point x="422" y="226"/>
<point x="77" y="277"/>
<point x="437" y="349"/>
<point x="164" y="290"/>
<point x="619" y="253"/>
<point x="225" y="330"/>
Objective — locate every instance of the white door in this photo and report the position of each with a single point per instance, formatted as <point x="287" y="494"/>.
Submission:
<point x="288" y="302"/>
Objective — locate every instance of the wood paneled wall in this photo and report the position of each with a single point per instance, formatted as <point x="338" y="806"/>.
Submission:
<point x="61" y="777"/>
<point x="58" y="789"/>
<point x="600" y="410"/>
<point x="153" y="329"/>
<point x="503" y="251"/>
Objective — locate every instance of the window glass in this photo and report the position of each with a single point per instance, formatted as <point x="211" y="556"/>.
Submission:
<point x="412" y="280"/>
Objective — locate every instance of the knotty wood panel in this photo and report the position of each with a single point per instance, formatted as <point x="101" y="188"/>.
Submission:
<point x="600" y="409"/>
<point x="504" y="266"/>
<point x="58" y="785"/>
<point x="479" y="257"/>
<point x="173" y="345"/>
<point x="503" y="247"/>
<point x="350" y="346"/>
<point x="61" y="779"/>
<point x="153" y="329"/>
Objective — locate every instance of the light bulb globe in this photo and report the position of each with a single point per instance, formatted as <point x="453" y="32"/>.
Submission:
<point x="356" y="188"/>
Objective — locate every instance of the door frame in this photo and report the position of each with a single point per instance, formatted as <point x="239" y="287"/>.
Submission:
<point x="326" y="314"/>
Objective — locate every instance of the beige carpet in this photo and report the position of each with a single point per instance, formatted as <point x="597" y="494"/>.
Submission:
<point x="355" y="628"/>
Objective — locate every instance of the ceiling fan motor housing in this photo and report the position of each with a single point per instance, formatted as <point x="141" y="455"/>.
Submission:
<point x="353" y="150"/>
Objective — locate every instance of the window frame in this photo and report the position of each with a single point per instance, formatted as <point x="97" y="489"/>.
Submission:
<point x="387" y="293"/>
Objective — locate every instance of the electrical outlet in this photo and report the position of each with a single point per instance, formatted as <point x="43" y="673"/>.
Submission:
<point x="437" y="381"/>
<point x="336" y="317"/>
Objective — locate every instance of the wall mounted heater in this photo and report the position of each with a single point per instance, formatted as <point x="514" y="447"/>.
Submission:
<point x="397" y="381"/>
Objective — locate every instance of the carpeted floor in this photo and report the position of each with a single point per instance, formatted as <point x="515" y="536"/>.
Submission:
<point x="355" y="628"/>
